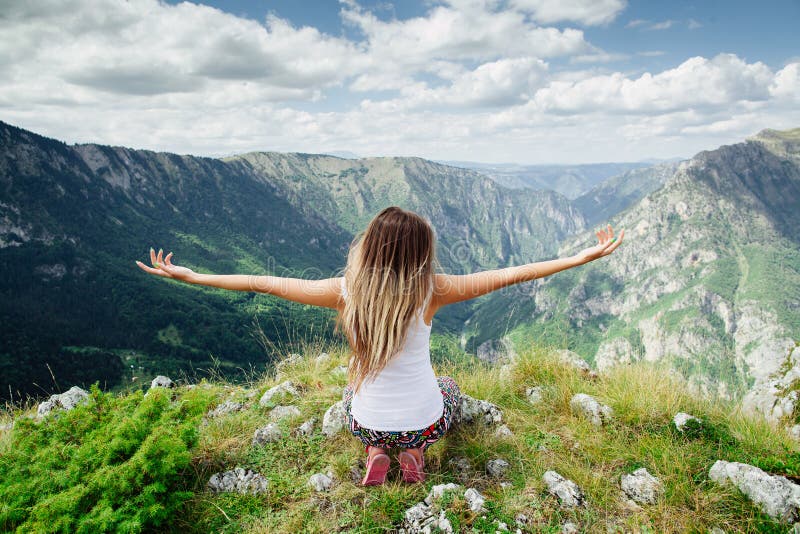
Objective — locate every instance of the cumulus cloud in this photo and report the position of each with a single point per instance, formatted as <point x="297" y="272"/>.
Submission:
<point x="588" y="12"/>
<point x="468" y="79"/>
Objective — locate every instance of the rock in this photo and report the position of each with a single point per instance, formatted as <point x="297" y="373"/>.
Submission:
<point x="566" y="490"/>
<point x="716" y="530"/>
<point x="286" y="387"/>
<point x="587" y="407"/>
<point x="6" y="427"/>
<point x="534" y="394"/>
<point x="794" y="431"/>
<point x="571" y="358"/>
<point x="238" y="481"/>
<point x="282" y="412"/>
<point x="501" y="527"/>
<point x="323" y="358"/>
<point x="778" y="497"/>
<point x="267" y="434"/>
<point x="162" y="381"/>
<point x="307" y="428"/>
<point x="503" y="432"/>
<point x="421" y="519"/>
<point x="281" y="365"/>
<point x="496" y="351"/>
<point x="497" y="467"/>
<point x="321" y="482"/>
<point x="437" y="491"/>
<point x="357" y="472"/>
<point x="569" y="528"/>
<point x="682" y="418"/>
<point x="225" y="408"/>
<point x="461" y="468"/>
<point x="470" y="410"/>
<point x="521" y="520"/>
<point x="340" y="370"/>
<point x="334" y="419"/>
<point x="641" y="486"/>
<point x="475" y="500"/>
<point x="66" y="401"/>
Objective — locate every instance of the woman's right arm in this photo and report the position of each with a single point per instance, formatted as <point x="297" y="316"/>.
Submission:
<point x="456" y="288"/>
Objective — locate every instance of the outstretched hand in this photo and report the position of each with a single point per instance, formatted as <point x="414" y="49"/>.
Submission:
<point x="606" y="244"/>
<point x="164" y="267"/>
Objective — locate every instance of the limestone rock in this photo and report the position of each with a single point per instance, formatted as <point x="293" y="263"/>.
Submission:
<point x="323" y="358"/>
<point x="282" y="412"/>
<point x="571" y="358"/>
<point x="321" y="482"/>
<point x="682" y="418"/>
<point x="461" y="468"/>
<point x="307" y="428"/>
<point x="437" y="491"/>
<point x="475" y="500"/>
<point x="225" y="408"/>
<point x="334" y="419"/>
<point x="503" y="432"/>
<point x="162" y="381"/>
<point x="66" y="401"/>
<point x="588" y="407"/>
<point x="566" y="490"/>
<point x="569" y="528"/>
<point x="534" y="394"/>
<point x="497" y="467"/>
<point x="778" y="497"/>
<point x="238" y="481"/>
<point x="267" y="434"/>
<point x="470" y="410"/>
<point x="286" y="387"/>
<point x="340" y="370"/>
<point x="641" y="486"/>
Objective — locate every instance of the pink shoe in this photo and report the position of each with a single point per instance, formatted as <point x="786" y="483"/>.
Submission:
<point x="412" y="469"/>
<point x="377" y="467"/>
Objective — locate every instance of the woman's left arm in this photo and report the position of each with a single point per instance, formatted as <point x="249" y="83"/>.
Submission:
<point x="325" y="293"/>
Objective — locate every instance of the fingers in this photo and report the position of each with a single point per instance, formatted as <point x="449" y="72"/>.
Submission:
<point x="167" y="260"/>
<point x="158" y="258"/>
<point x="615" y="243"/>
<point x="152" y="256"/>
<point x="151" y="270"/>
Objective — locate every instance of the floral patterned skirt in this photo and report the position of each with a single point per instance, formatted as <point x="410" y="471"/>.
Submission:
<point x="407" y="439"/>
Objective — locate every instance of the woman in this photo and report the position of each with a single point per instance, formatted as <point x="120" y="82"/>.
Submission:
<point x="386" y="301"/>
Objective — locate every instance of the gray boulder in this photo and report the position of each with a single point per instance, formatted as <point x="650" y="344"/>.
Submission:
<point x="321" y="482"/>
<point x="334" y="419"/>
<point x="682" y="418"/>
<point x="568" y="492"/>
<point x="162" y="381"/>
<point x="587" y="406"/>
<point x="641" y="486"/>
<point x="573" y="359"/>
<point x="438" y="490"/>
<point x="534" y="394"/>
<point x="65" y="401"/>
<point x="503" y="432"/>
<point x="227" y="407"/>
<point x="238" y="481"/>
<point x="307" y="428"/>
<point x="461" y="468"/>
<point x="282" y="412"/>
<point x="475" y="500"/>
<point x="470" y="410"/>
<point x="286" y="387"/>
<point x="268" y="434"/>
<point x="777" y="496"/>
<point x="497" y="467"/>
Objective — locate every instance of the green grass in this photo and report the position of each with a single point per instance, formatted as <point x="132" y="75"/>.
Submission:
<point x="546" y="436"/>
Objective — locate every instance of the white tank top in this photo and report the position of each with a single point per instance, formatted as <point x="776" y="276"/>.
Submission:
<point x="405" y="394"/>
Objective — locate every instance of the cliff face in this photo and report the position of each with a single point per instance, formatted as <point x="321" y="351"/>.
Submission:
<point x="708" y="277"/>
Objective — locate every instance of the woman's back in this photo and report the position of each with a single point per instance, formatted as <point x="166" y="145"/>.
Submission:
<point x="405" y="394"/>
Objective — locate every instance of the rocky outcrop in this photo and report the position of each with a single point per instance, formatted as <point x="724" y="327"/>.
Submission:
<point x="567" y="491"/>
<point x="284" y="412"/>
<point x="777" y="496"/>
<point x="641" y="486"/>
<point x="334" y="420"/>
<point x="681" y="419"/>
<point x="65" y="401"/>
<point x="268" y="434"/>
<point x="162" y="381"/>
<point x="307" y="428"/>
<point x="497" y="468"/>
<point x="321" y="481"/>
<point x="587" y="407"/>
<point x="470" y="410"/>
<point x="226" y="408"/>
<point x="286" y="388"/>
<point x="238" y="480"/>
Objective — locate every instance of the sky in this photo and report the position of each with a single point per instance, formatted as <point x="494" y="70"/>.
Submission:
<point x="514" y="81"/>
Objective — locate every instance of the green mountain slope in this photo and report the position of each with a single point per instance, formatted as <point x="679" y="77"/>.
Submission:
<point x="708" y="278"/>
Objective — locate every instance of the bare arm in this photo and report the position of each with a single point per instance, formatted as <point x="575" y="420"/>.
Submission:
<point x="455" y="288"/>
<point x="324" y="293"/>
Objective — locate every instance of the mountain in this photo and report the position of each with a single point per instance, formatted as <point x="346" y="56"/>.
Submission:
<point x="73" y="219"/>
<point x="572" y="181"/>
<point x="708" y="278"/>
<point x="618" y="192"/>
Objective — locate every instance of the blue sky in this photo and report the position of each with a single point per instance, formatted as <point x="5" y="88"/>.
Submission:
<point x="526" y="81"/>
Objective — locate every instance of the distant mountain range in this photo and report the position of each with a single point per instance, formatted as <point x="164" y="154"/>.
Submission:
<point x="708" y="277"/>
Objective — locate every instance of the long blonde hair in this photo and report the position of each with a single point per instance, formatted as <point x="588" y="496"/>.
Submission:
<point x="389" y="276"/>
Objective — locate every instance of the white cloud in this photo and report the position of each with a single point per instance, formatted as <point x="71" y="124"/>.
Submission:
<point x="589" y="12"/>
<point x="663" y="25"/>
